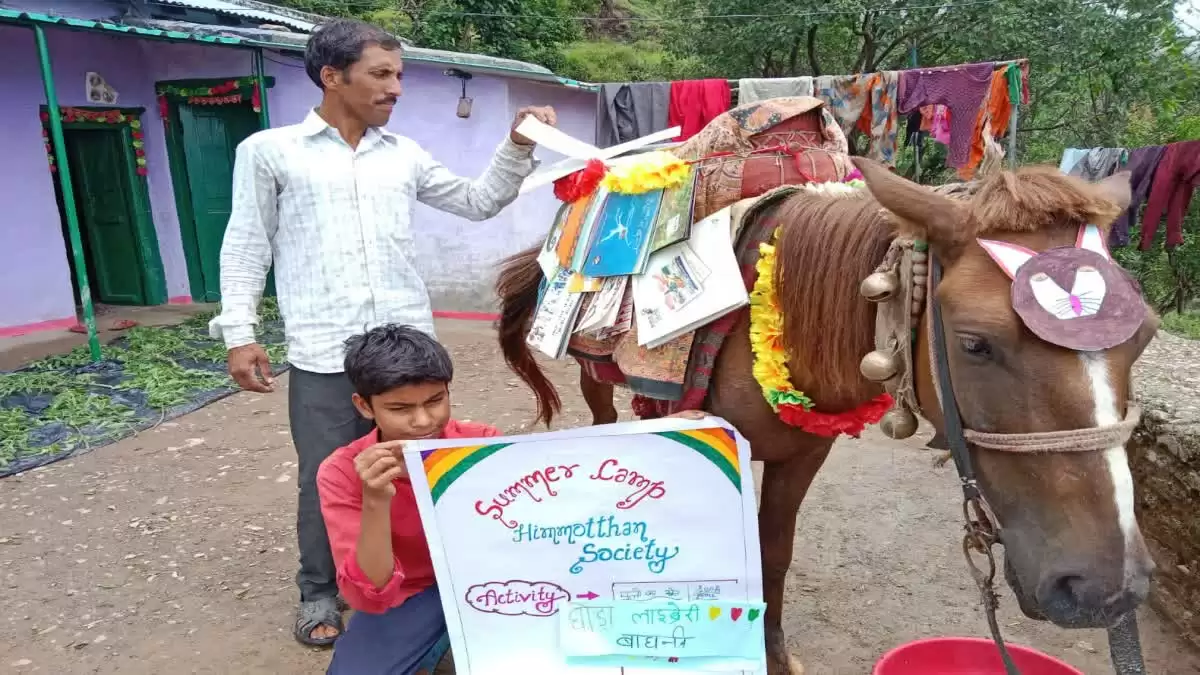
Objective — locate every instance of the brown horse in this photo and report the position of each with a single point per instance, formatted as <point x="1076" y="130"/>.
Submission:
<point x="1075" y="555"/>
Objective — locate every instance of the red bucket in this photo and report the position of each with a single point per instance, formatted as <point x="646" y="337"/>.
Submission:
<point x="965" y="656"/>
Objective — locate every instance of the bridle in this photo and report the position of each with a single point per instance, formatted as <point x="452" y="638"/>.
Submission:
<point x="983" y="530"/>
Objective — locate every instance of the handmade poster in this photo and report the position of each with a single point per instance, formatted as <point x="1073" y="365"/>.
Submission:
<point x="526" y="530"/>
<point x="674" y="222"/>
<point x="621" y="239"/>
<point x="689" y="284"/>
<point x="555" y="315"/>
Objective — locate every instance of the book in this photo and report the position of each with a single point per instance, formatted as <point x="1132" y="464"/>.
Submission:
<point x="674" y="221"/>
<point x="621" y="236"/>
<point x="689" y="284"/>
<point x="554" y="318"/>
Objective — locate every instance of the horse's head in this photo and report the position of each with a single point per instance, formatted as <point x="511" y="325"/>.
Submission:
<point x="1040" y="343"/>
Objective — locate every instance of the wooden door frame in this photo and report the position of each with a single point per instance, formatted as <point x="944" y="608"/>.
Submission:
<point x="177" y="163"/>
<point x="154" y="279"/>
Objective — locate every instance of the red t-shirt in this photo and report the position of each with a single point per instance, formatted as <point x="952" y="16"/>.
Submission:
<point x="341" y="505"/>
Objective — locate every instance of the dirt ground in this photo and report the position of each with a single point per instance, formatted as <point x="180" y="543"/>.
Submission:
<point x="173" y="551"/>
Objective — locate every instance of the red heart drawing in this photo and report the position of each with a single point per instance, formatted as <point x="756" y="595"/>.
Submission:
<point x="735" y="613"/>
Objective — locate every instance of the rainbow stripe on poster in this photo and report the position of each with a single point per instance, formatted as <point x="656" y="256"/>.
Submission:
<point x="446" y="465"/>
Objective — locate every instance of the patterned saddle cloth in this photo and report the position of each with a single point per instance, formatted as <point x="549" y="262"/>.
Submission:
<point x="750" y="151"/>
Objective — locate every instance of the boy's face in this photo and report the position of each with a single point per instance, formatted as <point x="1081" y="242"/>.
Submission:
<point x="408" y="413"/>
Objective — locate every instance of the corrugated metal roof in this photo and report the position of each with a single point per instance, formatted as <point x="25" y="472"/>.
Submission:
<point x="14" y="16"/>
<point x="244" y="11"/>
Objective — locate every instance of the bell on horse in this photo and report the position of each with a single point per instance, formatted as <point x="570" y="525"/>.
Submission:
<point x="1064" y="509"/>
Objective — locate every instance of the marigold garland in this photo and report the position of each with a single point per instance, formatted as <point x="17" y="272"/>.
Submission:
<point x="652" y="171"/>
<point x="771" y="370"/>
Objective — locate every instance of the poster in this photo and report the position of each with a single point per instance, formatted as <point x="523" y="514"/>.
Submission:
<point x="530" y="533"/>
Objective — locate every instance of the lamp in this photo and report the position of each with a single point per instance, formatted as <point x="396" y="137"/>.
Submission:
<point x="465" y="102"/>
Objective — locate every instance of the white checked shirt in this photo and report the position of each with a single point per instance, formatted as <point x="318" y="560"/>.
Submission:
<point x="338" y="223"/>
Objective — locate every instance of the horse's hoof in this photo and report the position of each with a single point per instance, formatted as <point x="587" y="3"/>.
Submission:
<point x="779" y="660"/>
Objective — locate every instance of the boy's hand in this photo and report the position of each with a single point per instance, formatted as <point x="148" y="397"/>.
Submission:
<point x="377" y="467"/>
<point x="690" y="415"/>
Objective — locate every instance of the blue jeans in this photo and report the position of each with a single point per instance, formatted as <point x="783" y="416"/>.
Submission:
<point x="392" y="643"/>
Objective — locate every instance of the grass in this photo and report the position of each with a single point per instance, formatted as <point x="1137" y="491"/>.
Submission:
<point x="150" y="358"/>
<point x="1185" y="325"/>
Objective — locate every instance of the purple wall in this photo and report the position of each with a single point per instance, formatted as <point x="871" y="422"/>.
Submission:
<point x="455" y="260"/>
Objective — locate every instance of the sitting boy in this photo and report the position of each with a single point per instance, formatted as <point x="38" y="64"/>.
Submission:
<point x="401" y="378"/>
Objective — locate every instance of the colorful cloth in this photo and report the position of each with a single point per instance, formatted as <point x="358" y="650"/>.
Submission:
<point x="1177" y="177"/>
<point x="694" y="103"/>
<point x="962" y="89"/>
<point x="995" y="115"/>
<point x="1142" y="164"/>
<point x="846" y="96"/>
<point x="752" y="90"/>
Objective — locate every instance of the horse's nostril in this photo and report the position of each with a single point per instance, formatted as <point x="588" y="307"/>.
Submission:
<point x="1077" y="600"/>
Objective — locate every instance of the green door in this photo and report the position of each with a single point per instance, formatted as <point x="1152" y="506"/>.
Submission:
<point x="103" y="195"/>
<point x="210" y="136"/>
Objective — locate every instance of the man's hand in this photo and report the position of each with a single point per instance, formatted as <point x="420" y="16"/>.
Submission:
<point x="378" y="466"/>
<point x="690" y="415"/>
<point x="544" y="114"/>
<point x="251" y="368"/>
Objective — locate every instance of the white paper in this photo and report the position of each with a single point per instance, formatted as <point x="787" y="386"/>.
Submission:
<point x="507" y="520"/>
<point x="579" y="152"/>
<point x="605" y="305"/>
<point x="667" y="304"/>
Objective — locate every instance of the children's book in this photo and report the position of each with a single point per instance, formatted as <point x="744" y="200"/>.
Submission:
<point x="554" y="318"/>
<point x="621" y="237"/>
<point x="674" y="221"/>
<point x="689" y="284"/>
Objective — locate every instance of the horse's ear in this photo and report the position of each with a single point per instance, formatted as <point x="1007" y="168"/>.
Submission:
<point x="922" y="211"/>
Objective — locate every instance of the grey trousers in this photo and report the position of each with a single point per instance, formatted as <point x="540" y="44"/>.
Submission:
<point x="323" y="419"/>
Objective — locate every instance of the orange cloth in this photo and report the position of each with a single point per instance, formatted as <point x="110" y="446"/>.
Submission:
<point x="999" y="108"/>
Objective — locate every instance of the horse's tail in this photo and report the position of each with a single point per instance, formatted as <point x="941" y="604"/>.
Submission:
<point x="517" y="286"/>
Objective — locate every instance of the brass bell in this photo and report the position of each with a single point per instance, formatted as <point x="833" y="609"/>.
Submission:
<point x="879" y="286"/>
<point x="898" y="424"/>
<point x="878" y="366"/>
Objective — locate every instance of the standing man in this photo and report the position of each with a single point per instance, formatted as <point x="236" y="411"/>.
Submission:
<point x="330" y="201"/>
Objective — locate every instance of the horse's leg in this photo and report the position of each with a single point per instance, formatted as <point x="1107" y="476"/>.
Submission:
<point x="784" y="485"/>
<point x="599" y="397"/>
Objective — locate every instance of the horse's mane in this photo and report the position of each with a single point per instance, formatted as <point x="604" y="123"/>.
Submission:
<point x="832" y="240"/>
<point x="828" y="244"/>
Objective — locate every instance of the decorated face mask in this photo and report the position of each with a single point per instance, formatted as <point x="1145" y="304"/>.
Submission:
<point x="1074" y="297"/>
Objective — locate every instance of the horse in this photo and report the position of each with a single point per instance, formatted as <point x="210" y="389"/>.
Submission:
<point x="1074" y="553"/>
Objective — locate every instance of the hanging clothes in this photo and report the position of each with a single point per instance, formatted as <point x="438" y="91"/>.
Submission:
<point x="757" y="89"/>
<point x="845" y="96"/>
<point x="694" y="103"/>
<point x="939" y="124"/>
<point x="1142" y="164"/>
<point x="997" y="111"/>
<point x="962" y="89"/>
<point x="1070" y="158"/>
<point x="883" y="123"/>
<point x="1099" y="163"/>
<point x="1177" y="176"/>
<point x="628" y="111"/>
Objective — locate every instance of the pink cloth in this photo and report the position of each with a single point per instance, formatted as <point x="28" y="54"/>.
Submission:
<point x="962" y="89"/>
<point x="341" y="506"/>
<point x="940" y="127"/>
<point x="694" y="103"/>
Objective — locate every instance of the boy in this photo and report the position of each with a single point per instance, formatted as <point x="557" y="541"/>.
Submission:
<point x="401" y="379"/>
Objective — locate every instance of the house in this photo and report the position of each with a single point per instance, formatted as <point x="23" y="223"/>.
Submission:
<point x="154" y="96"/>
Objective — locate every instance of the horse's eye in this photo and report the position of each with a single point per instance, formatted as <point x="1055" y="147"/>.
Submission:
<point x="975" y="346"/>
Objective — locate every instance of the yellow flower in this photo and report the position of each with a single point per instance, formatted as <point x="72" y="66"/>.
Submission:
<point x="650" y="171"/>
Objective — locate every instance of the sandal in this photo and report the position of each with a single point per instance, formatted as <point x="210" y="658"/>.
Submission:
<point x="313" y="613"/>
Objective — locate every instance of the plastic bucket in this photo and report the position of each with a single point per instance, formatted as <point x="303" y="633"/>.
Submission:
<point x="966" y="656"/>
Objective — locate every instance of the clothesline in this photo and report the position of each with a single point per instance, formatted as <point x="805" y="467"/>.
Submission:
<point x="1161" y="176"/>
<point x="974" y="103"/>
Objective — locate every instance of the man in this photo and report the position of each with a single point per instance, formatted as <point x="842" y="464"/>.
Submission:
<point x="330" y="201"/>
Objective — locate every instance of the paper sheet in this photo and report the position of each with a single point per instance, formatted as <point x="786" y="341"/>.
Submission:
<point x="577" y="151"/>
<point x="646" y="512"/>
